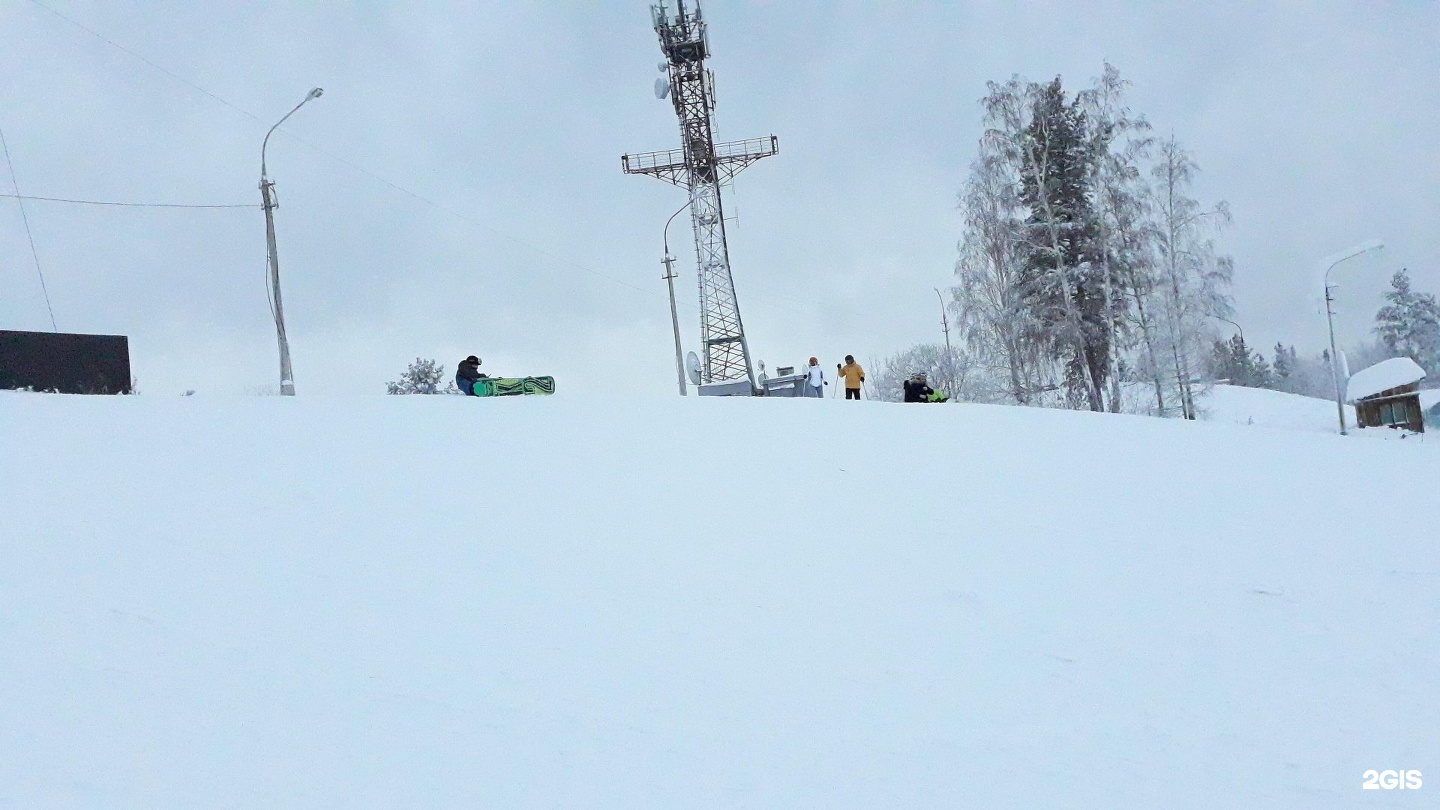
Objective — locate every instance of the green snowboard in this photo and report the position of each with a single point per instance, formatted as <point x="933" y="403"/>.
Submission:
<point x="513" y="386"/>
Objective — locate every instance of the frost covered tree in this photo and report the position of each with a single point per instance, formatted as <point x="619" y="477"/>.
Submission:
<point x="991" y="321"/>
<point x="1086" y="271"/>
<point x="1232" y="360"/>
<point x="1365" y="354"/>
<point x="1306" y="376"/>
<point x="1046" y="133"/>
<point x="1284" y="367"/>
<point x="948" y="374"/>
<point x="1194" y="279"/>
<point x="1409" y="324"/>
<point x="420" y="377"/>
<point x="1222" y="364"/>
<point x="1119" y="141"/>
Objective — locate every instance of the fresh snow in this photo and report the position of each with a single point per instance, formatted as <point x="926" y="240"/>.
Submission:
<point x="586" y="602"/>
<point x="1383" y="376"/>
<point x="1429" y="398"/>
<point x="1262" y="407"/>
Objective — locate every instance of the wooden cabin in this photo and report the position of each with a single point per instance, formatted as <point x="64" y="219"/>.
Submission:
<point x="1388" y="394"/>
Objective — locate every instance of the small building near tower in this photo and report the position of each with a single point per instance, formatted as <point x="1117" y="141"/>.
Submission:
<point x="1388" y="394"/>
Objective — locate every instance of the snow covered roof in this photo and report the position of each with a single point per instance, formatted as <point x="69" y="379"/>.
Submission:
<point x="1383" y="376"/>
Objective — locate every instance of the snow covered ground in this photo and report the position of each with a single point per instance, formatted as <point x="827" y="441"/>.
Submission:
<point x="1260" y="407"/>
<point x="589" y="602"/>
<point x="1429" y="398"/>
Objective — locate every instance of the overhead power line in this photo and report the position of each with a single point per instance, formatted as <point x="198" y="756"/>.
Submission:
<point x="123" y="204"/>
<point x="34" y="254"/>
<point x="177" y="77"/>
<point x="372" y="175"/>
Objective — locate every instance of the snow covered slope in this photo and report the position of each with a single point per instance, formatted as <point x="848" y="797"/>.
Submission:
<point x="1262" y="407"/>
<point x="447" y="602"/>
<point x="1429" y="398"/>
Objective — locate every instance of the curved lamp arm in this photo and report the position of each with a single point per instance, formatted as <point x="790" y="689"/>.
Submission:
<point x="1329" y="262"/>
<point x="313" y="94"/>
<point x="667" y="226"/>
<point x="1232" y="323"/>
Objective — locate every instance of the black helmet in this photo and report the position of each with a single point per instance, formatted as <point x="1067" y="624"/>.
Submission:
<point x="473" y="359"/>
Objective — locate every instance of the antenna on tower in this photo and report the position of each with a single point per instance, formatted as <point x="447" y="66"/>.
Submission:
<point x="703" y="167"/>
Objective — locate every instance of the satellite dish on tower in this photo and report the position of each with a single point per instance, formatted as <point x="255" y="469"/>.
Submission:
<point x="692" y="368"/>
<point x="662" y="87"/>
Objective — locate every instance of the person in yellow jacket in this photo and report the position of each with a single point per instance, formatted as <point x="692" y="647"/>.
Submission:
<point x="853" y="375"/>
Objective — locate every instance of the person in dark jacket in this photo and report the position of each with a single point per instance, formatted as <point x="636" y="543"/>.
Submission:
<point x="467" y="373"/>
<point x="917" y="389"/>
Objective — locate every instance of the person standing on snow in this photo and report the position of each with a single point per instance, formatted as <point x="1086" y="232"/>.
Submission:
<point x="467" y="373"/>
<point x="815" y="379"/>
<point x="853" y="375"/>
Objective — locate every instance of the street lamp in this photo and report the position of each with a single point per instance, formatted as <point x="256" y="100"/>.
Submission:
<point x="669" y="277"/>
<point x="267" y="194"/>
<point x="1237" y="327"/>
<point x="1329" y="263"/>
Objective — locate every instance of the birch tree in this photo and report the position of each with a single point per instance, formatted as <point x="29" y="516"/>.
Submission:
<point x="1042" y="135"/>
<point x="1195" y="278"/>
<point x="991" y="322"/>
<point x="951" y="374"/>
<point x="1118" y="141"/>
<point x="1084" y="261"/>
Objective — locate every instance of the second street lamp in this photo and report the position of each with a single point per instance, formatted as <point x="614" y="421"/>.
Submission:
<point x="277" y="309"/>
<point x="1330" y="263"/>
<point x="669" y="277"/>
<point x="1237" y="327"/>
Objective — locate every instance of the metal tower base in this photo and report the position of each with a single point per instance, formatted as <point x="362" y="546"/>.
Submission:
<point x="727" y="388"/>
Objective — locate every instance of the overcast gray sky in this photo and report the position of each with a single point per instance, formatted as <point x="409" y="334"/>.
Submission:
<point x="1316" y="121"/>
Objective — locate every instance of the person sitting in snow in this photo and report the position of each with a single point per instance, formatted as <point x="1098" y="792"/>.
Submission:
<point x="467" y="373"/>
<point x="916" y="388"/>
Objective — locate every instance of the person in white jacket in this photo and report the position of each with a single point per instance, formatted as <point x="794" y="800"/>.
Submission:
<point x="815" y="379"/>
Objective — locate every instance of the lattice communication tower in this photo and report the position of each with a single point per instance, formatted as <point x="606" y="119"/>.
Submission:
<point x="702" y="166"/>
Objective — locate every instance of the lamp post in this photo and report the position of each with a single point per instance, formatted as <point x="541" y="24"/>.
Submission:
<point x="267" y="195"/>
<point x="1237" y="326"/>
<point x="669" y="262"/>
<point x="1329" y="263"/>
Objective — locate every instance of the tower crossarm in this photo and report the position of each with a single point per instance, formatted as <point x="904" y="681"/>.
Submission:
<point x="730" y="158"/>
<point x="668" y="165"/>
